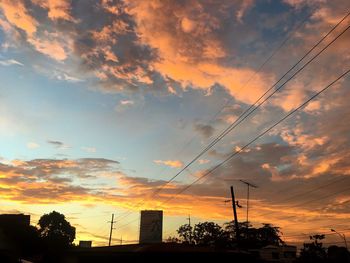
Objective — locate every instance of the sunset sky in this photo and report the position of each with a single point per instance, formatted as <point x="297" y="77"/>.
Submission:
<point x="102" y="102"/>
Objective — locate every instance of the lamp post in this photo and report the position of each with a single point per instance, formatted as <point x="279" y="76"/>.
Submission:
<point x="342" y="236"/>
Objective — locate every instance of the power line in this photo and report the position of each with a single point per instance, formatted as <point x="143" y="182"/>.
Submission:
<point x="266" y="61"/>
<point x="308" y="192"/>
<point x="260" y="135"/>
<point x="313" y="200"/>
<point x="310" y="234"/>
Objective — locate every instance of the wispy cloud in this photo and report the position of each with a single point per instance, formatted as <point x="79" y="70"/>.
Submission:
<point x="203" y="161"/>
<point x="32" y="145"/>
<point x="170" y="163"/>
<point x="66" y="77"/>
<point x="124" y="104"/>
<point x="10" y="62"/>
<point x="89" y="149"/>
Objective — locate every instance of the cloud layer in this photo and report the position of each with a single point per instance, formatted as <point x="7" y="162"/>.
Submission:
<point x="153" y="45"/>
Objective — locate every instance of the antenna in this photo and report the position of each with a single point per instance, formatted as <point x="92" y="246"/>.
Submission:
<point x="248" y="186"/>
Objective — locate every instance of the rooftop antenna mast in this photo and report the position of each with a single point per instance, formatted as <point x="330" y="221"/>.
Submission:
<point x="248" y="186"/>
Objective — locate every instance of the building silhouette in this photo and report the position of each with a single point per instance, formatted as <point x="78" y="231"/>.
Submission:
<point x="7" y="220"/>
<point x="151" y="226"/>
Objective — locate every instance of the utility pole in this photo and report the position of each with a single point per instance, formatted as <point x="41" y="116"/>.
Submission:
<point x="248" y="185"/>
<point x="110" y="232"/>
<point x="234" y="213"/>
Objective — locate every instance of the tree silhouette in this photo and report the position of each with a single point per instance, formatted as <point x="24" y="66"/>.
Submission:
<point x="251" y="237"/>
<point x="186" y="233"/>
<point x="269" y="235"/>
<point x="209" y="233"/>
<point x="230" y="228"/>
<point x="56" y="231"/>
<point x="314" y="251"/>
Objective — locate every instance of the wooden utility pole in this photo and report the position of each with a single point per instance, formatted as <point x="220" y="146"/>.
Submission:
<point x="110" y="232"/>
<point x="234" y="213"/>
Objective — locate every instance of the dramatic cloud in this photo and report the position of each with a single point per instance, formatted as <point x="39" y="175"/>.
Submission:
<point x="17" y="14"/>
<point x="56" y="9"/>
<point x="51" y="180"/>
<point x="162" y="46"/>
<point x="189" y="41"/>
<point x="149" y="44"/>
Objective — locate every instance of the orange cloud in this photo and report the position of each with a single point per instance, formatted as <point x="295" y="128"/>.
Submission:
<point x="190" y="49"/>
<point x="51" y="48"/>
<point x="16" y="13"/>
<point x="57" y="9"/>
<point x="170" y="163"/>
<point x="46" y="42"/>
<point x="39" y="182"/>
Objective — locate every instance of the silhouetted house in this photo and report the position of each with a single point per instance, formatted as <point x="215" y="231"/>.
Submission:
<point x="151" y="226"/>
<point x="285" y="254"/>
<point x="14" y="220"/>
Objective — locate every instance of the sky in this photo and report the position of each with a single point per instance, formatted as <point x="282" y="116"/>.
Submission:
<point x="103" y="102"/>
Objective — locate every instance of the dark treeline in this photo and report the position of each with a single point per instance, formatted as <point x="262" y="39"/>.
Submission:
<point x="249" y="238"/>
<point x="212" y="234"/>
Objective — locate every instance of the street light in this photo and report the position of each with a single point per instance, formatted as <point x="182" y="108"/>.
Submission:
<point x="342" y="236"/>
